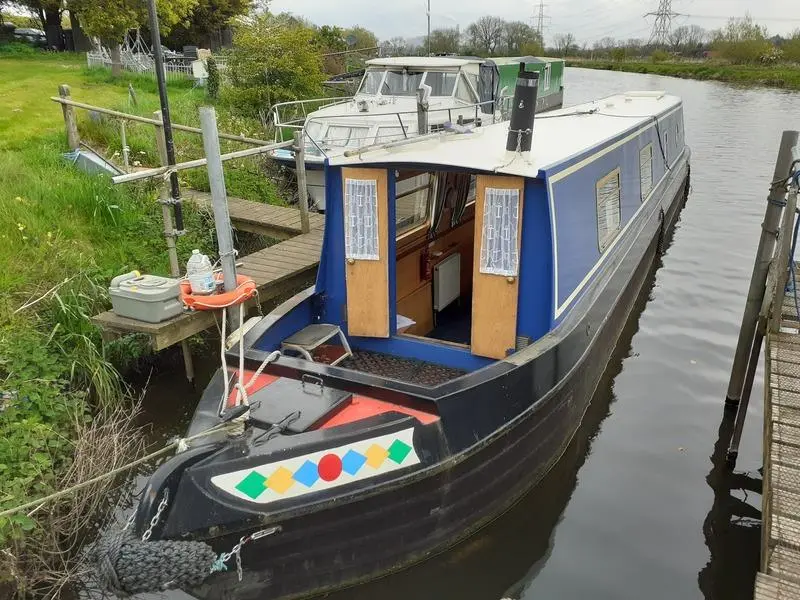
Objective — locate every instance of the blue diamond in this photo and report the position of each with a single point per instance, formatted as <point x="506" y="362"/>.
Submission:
<point x="307" y="474"/>
<point x="353" y="461"/>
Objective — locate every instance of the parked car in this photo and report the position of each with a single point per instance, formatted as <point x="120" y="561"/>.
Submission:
<point x="34" y="37"/>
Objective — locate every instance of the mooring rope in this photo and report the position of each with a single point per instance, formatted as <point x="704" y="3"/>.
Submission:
<point x="178" y="443"/>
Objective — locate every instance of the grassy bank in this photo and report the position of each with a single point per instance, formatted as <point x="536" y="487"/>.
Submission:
<point x="63" y="235"/>
<point x="780" y="76"/>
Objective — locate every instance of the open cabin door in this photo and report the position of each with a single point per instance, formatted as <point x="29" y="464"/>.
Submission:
<point x="366" y="232"/>
<point x="495" y="278"/>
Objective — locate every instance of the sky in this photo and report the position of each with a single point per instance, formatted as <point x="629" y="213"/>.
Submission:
<point x="587" y="20"/>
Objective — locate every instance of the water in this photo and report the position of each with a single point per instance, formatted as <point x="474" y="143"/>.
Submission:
<point x="641" y="505"/>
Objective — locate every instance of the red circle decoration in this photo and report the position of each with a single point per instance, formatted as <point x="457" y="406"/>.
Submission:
<point x="329" y="467"/>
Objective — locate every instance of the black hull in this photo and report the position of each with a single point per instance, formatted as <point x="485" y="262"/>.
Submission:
<point x="361" y="537"/>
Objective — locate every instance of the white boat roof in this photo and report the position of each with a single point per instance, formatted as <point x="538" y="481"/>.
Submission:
<point x="557" y="136"/>
<point x="422" y="62"/>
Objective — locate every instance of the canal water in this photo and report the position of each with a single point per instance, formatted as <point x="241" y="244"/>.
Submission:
<point x="641" y="505"/>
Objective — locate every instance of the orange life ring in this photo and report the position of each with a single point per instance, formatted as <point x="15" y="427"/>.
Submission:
<point x="245" y="289"/>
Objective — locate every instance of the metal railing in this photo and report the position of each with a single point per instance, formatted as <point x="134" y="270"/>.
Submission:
<point x="139" y="62"/>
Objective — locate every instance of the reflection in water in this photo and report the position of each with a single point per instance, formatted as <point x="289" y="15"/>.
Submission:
<point x="732" y="528"/>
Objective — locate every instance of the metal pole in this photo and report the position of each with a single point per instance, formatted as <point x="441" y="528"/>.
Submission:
<point x="429" y="27"/>
<point x="158" y="57"/>
<point x="766" y="247"/>
<point x="422" y="111"/>
<point x="219" y="203"/>
<point x="302" y="187"/>
<point x="169" y="235"/>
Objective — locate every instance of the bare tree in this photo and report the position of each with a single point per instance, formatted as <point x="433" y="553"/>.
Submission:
<point x="397" y="46"/>
<point x="564" y="43"/>
<point x="486" y="33"/>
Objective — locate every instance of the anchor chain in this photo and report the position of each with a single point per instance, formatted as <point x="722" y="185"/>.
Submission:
<point x="221" y="563"/>
<point x="156" y="517"/>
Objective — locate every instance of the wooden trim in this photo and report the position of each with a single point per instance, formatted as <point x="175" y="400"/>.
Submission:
<point x="435" y="341"/>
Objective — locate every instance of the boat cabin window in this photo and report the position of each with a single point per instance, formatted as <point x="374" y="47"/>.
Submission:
<point x="406" y="82"/>
<point x="390" y="134"/>
<point x="339" y="136"/>
<point x="608" y="209"/>
<point x="464" y="92"/>
<point x="412" y="200"/>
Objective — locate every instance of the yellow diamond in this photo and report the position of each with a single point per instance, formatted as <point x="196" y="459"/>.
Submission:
<point x="376" y="455"/>
<point x="280" y="481"/>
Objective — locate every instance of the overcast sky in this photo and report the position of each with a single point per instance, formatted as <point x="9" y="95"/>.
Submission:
<point x="588" y="20"/>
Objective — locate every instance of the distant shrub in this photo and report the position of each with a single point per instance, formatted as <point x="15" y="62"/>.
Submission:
<point x="791" y="47"/>
<point x="742" y="41"/>
<point x="18" y="49"/>
<point x="659" y="56"/>
<point x="212" y="85"/>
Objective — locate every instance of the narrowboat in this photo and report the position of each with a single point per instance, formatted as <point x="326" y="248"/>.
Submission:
<point x="461" y="90"/>
<point x="471" y="288"/>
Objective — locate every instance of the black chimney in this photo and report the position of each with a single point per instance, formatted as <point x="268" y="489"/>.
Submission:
<point x="523" y="111"/>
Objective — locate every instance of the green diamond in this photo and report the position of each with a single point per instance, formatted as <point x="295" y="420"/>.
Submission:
<point x="398" y="451"/>
<point x="252" y="486"/>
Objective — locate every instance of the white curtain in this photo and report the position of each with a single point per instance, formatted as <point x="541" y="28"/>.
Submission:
<point x="646" y="170"/>
<point x="608" y="210"/>
<point x="361" y="219"/>
<point x="499" y="254"/>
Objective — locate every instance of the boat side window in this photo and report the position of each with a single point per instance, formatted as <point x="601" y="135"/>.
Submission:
<point x="547" y="69"/>
<point x="464" y="93"/>
<point x="441" y="83"/>
<point x="371" y="84"/>
<point x="340" y="136"/>
<point x="608" y="209"/>
<point x="646" y="170"/>
<point x="473" y="189"/>
<point x="401" y="82"/>
<point x="390" y="134"/>
<point x="413" y="191"/>
<point x="666" y="148"/>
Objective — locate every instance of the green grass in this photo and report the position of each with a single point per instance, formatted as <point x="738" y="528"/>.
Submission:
<point x="785" y="76"/>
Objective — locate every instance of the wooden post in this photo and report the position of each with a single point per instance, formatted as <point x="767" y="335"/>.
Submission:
<point x="169" y="235"/>
<point x="70" y="122"/>
<point x="302" y="187"/>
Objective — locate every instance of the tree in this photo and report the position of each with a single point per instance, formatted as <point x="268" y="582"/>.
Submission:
<point x="206" y="21"/>
<point x="742" y="40"/>
<point x="444" y="41"/>
<point x="518" y="35"/>
<point x="110" y="20"/>
<point x="791" y="47"/>
<point x="49" y="14"/>
<point x="358" y="38"/>
<point x="485" y="34"/>
<point x="397" y="46"/>
<point x="330" y="41"/>
<point x="274" y="59"/>
<point x="564" y="43"/>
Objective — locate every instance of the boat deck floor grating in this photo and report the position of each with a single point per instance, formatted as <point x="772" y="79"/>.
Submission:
<point x="409" y="370"/>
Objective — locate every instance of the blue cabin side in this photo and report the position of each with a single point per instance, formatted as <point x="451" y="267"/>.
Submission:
<point x="574" y="214"/>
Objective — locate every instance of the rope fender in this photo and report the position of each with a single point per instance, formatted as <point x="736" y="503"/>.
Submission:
<point x="125" y="565"/>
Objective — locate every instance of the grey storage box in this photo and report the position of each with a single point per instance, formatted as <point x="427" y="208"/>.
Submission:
<point x="146" y="298"/>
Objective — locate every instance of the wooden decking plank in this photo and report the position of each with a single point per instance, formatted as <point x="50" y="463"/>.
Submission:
<point x="783" y="477"/>
<point x="277" y="261"/>
<point x="785" y="398"/>
<point x="783" y="454"/>
<point x="785" y="353"/>
<point x="785" y="368"/>
<point x="773" y="588"/>
<point x="784" y="563"/>
<point x="786" y="415"/>
<point x="784" y="382"/>
<point x="784" y="530"/>
<point x="784" y="433"/>
<point x="786" y="338"/>
<point x="786" y="502"/>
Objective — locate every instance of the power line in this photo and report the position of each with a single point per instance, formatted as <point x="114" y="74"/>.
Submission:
<point x="662" y="28"/>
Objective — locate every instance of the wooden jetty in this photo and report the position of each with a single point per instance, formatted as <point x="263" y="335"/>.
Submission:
<point x="772" y="316"/>
<point x="276" y="270"/>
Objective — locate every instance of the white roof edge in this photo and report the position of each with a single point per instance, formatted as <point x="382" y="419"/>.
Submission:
<point x="421" y="61"/>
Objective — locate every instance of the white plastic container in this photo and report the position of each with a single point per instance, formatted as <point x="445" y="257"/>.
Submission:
<point x="200" y="274"/>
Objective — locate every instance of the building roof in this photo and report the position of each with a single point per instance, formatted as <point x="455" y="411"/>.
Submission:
<point x="557" y="136"/>
<point x="422" y="62"/>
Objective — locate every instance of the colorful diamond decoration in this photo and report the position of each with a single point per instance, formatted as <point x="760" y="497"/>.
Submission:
<point x="376" y="455"/>
<point x="352" y="461"/>
<point x="252" y="486"/>
<point x="398" y="451"/>
<point x="280" y="481"/>
<point x="307" y="474"/>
